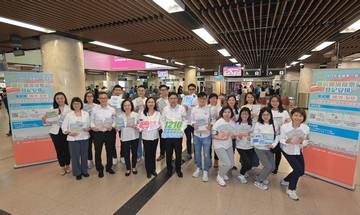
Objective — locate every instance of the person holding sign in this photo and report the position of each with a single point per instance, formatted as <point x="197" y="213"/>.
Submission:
<point x="263" y="138"/>
<point x="149" y="127"/>
<point x="104" y="132"/>
<point x="214" y="115"/>
<point x="222" y="135"/>
<point x="281" y="116"/>
<point x="242" y="131"/>
<point x="55" y="118"/>
<point x="139" y="104"/>
<point x="88" y="106"/>
<point x="77" y="126"/>
<point x="161" y="103"/>
<point x="293" y="137"/>
<point x="231" y="102"/>
<point x="173" y="122"/>
<point x="129" y="135"/>
<point x="200" y="120"/>
<point x="189" y="101"/>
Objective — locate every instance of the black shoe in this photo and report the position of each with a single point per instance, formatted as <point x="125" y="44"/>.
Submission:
<point x="85" y="175"/>
<point x="127" y="173"/>
<point x="110" y="171"/>
<point x="8" y="134"/>
<point x="154" y="173"/>
<point x="180" y="174"/>
<point x="234" y="168"/>
<point x="169" y="173"/>
<point x="274" y="172"/>
<point x="78" y="177"/>
<point x="134" y="171"/>
<point x="148" y="175"/>
<point x="101" y="174"/>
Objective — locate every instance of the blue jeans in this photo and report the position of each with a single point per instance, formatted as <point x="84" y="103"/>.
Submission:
<point x="140" y="149"/>
<point x="199" y="143"/>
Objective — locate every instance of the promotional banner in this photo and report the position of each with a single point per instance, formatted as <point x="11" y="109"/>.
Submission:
<point x="334" y="121"/>
<point x="30" y="96"/>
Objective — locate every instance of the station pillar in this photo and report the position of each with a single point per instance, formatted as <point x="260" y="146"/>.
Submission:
<point x="64" y="58"/>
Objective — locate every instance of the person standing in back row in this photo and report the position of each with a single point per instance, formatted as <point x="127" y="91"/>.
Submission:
<point x="189" y="131"/>
<point x="161" y="103"/>
<point x="139" y="105"/>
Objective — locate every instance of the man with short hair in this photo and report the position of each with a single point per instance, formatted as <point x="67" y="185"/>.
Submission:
<point x="173" y="122"/>
<point x="189" y="131"/>
<point x="161" y="103"/>
<point x="104" y="132"/>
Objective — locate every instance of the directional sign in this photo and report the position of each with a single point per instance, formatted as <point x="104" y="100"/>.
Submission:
<point x="251" y="72"/>
<point x="273" y="72"/>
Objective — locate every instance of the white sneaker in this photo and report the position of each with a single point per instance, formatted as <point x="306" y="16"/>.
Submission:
<point x="115" y="161"/>
<point x="220" y="181"/>
<point x="285" y="183"/>
<point x="242" y="179"/>
<point x="91" y="164"/>
<point x="205" y="176"/>
<point x="226" y="178"/>
<point x="197" y="173"/>
<point x="292" y="194"/>
<point x="246" y="175"/>
<point x="266" y="182"/>
<point x="261" y="185"/>
<point x="122" y="160"/>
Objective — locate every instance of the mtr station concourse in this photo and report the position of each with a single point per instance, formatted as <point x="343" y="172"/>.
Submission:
<point x="182" y="107"/>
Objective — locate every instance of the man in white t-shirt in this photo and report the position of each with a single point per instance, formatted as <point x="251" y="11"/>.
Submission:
<point x="161" y="103"/>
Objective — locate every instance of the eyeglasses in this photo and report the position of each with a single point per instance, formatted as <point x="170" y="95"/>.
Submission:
<point x="203" y="98"/>
<point x="103" y="98"/>
<point x="191" y="88"/>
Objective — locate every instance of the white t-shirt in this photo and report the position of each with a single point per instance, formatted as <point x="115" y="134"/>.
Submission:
<point x="150" y="134"/>
<point x="244" y="143"/>
<point x="188" y="112"/>
<point x="225" y="144"/>
<point x="141" y="108"/>
<point x="280" y="119"/>
<point x="265" y="129"/>
<point x="129" y="133"/>
<point x="201" y="117"/>
<point x="162" y="102"/>
<point x="287" y="131"/>
<point x="214" y="113"/>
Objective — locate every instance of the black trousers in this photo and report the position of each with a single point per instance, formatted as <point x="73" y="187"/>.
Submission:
<point x="107" y="137"/>
<point x="7" y="110"/>
<point x="121" y="148"/>
<point x="188" y="131"/>
<point x="297" y="163"/>
<point x="247" y="159"/>
<point x="171" y="144"/>
<point x="162" y="144"/>
<point x="132" y="145"/>
<point x="150" y="154"/>
<point x="61" y="148"/>
<point x="277" y="153"/>
<point x="90" y="154"/>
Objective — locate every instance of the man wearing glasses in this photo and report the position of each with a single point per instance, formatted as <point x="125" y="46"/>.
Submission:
<point x="161" y="103"/>
<point x="188" y="104"/>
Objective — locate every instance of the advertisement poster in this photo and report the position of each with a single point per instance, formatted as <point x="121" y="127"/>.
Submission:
<point x="30" y="96"/>
<point x="334" y="121"/>
<point x="232" y="71"/>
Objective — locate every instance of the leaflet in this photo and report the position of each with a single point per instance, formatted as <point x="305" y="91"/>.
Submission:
<point x="295" y="134"/>
<point x="262" y="138"/>
<point x="256" y="109"/>
<point x="226" y="129"/>
<point x="76" y="127"/>
<point x="52" y="113"/>
<point x="172" y="129"/>
<point x="119" y="122"/>
<point x="130" y="121"/>
<point x="115" y="102"/>
<point x="241" y="129"/>
<point x="88" y="108"/>
<point x="188" y="100"/>
<point x="161" y="104"/>
<point x="61" y="120"/>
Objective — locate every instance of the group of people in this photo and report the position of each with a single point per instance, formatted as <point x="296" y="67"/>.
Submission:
<point x="258" y="133"/>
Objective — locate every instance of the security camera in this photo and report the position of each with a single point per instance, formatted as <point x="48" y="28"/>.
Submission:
<point x="301" y="65"/>
<point x="172" y="61"/>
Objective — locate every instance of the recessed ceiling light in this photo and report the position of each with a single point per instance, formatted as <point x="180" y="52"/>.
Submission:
<point x="25" y="25"/>
<point x="352" y="28"/>
<point x="205" y="35"/>
<point x="224" y="52"/>
<point x="153" y="57"/>
<point x="110" y="46"/>
<point x="178" y="63"/>
<point x="322" y="46"/>
<point x="171" y="6"/>
<point x="233" y="60"/>
<point x="294" y="63"/>
<point x="304" y="57"/>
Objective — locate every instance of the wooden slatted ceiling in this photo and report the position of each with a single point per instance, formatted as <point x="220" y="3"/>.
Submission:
<point x="273" y="32"/>
<point x="139" y="25"/>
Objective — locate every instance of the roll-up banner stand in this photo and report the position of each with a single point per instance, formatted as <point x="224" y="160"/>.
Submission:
<point x="334" y="121"/>
<point x="30" y="96"/>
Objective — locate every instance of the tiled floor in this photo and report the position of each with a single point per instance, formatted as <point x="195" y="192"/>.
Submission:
<point x="41" y="190"/>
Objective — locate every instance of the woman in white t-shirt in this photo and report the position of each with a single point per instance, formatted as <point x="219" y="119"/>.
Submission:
<point x="214" y="115"/>
<point x="61" y="107"/>
<point x="280" y="116"/>
<point x="222" y="135"/>
<point x="231" y="102"/>
<point x="293" y="137"/>
<point x="150" y="135"/>
<point x="77" y="126"/>
<point x="129" y="135"/>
